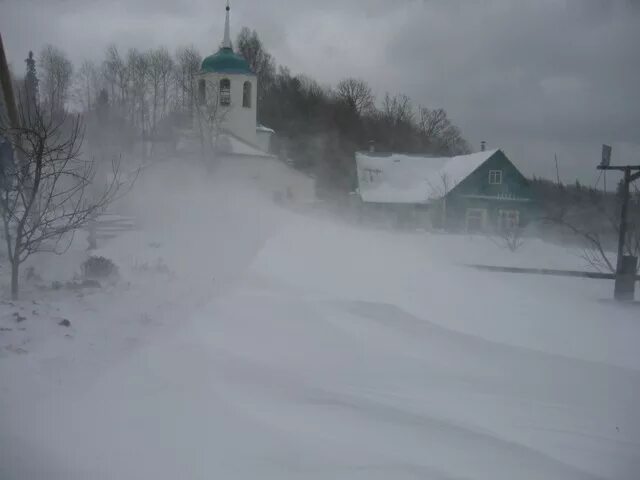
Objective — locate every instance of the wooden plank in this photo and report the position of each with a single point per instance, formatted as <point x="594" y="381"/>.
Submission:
<point x="546" y="271"/>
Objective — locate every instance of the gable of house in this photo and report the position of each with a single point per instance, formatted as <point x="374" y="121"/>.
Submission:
<point x="495" y="178"/>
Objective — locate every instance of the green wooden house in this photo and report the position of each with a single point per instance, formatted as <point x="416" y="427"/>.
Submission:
<point x="482" y="191"/>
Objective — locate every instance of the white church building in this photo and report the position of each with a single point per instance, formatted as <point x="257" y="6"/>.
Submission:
<point x="228" y="78"/>
<point x="227" y="85"/>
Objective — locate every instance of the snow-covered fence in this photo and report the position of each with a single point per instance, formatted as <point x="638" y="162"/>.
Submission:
<point x="108" y="226"/>
<point x="546" y="271"/>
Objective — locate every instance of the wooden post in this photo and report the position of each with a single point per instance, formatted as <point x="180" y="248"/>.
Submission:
<point x="624" y="289"/>
<point x="623" y="218"/>
<point x="626" y="265"/>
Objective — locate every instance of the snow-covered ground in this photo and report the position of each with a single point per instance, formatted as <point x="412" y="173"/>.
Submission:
<point x="280" y="346"/>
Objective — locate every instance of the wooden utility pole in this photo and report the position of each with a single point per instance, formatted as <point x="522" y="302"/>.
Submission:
<point x="622" y="234"/>
<point x="626" y="264"/>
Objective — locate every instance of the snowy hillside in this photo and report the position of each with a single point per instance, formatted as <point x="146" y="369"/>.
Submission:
<point x="279" y="346"/>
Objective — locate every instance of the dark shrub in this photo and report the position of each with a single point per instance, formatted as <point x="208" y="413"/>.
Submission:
<point x="99" y="267"/>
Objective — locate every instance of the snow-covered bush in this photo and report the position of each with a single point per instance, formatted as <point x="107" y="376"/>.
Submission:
<point x="158" y="267"/>
<point x="99" y="267"/>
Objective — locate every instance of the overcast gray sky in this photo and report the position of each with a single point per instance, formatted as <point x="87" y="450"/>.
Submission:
<point x="534" y="77"/>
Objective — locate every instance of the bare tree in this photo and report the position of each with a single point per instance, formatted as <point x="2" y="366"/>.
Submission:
<point x="594" y="220"/>
<point x="160" y="68"/>
<point x="356" y="94"/>
<point x="50" y="193"/>
<point x="88" y="84"/>
<point x="312" y="88"/>
<point x="56" y="73"/>
<point x="116" y="74"/>
<point x="432" y="123"/>
<point x="439" y="134"/>
<point x="138" y="68"/>
<point x="166" y="68"/>
<point x="439" y="192"/>
<point x="261" y="62"/>
<point x="397" y="110"/>
<point x="509" y="238"/>
<point x="188" y="62"/>
<point x="210" y="115"/>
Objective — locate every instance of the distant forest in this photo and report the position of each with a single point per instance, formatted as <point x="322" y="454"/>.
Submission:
<point x="150" y="95"/>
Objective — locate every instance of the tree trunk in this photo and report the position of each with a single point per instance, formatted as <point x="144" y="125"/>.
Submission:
<point x="15" y="271"/>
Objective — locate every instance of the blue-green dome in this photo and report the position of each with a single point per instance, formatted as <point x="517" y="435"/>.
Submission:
<point x="225" y="61"/>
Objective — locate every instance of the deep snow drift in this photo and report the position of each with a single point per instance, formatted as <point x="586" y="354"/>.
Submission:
<point x="289" y="346"/>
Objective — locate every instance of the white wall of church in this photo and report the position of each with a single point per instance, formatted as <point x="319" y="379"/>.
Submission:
<point x="263" y="140"/>
<point x="239" y="120"/>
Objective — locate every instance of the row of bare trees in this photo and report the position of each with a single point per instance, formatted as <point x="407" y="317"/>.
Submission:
<point x="147" y="94"/>
<point x="145" y="87"/>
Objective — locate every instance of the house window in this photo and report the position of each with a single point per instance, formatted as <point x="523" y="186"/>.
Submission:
<point x="495" y="177"/>
<point x="369" y="175"/>
<point x="202" y="91"/>
<point x="508" y="219"/>
<point x="246" y="95"/>
<point x="476" y="219"/>
<point x="225" y="92"/>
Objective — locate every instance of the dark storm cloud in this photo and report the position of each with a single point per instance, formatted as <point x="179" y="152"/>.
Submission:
<point x="534" y="69"/>
<point x="536" y="77"/>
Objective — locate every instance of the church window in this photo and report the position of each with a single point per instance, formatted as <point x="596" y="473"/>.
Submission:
<point x="246" y="95"/>
<point x="225" y="92"/>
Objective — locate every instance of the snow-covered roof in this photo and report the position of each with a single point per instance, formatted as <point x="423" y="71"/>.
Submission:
<point x="395" y="178"/>
<point x="231" y="144"/>
<point x="262" y="128"/>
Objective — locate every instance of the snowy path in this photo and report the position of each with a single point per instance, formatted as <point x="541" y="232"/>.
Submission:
<point x="293" y="388"/>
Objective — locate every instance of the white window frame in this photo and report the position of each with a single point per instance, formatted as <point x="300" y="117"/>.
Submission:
<point x="225" y="92"/>
<point x="495" y="177"/>
<point x="370" y="175"/>
<point x="476" y="213"/>
<point x="508" y="219"/>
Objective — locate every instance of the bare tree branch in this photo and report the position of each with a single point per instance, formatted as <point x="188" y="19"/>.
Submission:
<point x="356" y="94"/>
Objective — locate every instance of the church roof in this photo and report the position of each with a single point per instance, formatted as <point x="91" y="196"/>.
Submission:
<point x="226" y="61"/>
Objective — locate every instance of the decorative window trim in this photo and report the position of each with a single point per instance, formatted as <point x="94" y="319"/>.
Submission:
<point x="477" y="214"/>
<point x="508" y="219"/>
<point x="247" y="92"/>
<point x="225" y="92"/>
<point x="495" y="177"/>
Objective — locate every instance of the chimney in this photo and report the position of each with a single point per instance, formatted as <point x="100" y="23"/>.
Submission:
<point x="483" y="146"/>
<point x="372" y="146"/>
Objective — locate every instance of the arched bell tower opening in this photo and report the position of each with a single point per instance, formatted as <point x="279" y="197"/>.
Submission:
<point x="246" y="94"/>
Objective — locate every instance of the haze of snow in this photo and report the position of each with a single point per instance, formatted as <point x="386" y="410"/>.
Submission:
<point x="287" y="344"/>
